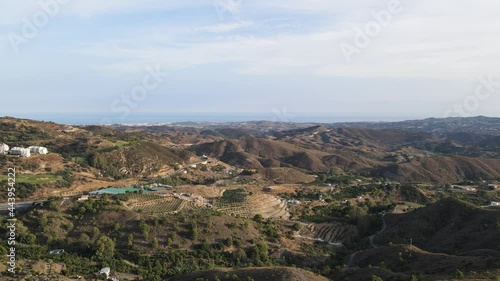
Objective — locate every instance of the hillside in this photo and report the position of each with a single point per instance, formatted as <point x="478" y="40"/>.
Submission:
<point x="447" y="226"/>
<point x="436" y="126"/>
<point x="390" y="154"/>
<point x="142" y="158"/>
<point x="255" y="153"/>
<point x="406" y="260"/>
<point x="441" y="169"/>
<point x="259" y="274"/>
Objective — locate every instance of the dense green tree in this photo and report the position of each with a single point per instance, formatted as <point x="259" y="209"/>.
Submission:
<point x="84" y="240"/>
<point x="105" y="248"/>
<point x="296" y="227"/>
<point x="459" y="274"/>
<point x="154" y="243"/>
<point x="130" y="240"/>
<point x="144" y="227"/>
<point x="194" y="231"/>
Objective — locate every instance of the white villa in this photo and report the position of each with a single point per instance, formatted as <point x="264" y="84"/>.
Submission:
<point x="38" y="150"/>
<point x="23" y="152"/>
<point x="4" y="149"/>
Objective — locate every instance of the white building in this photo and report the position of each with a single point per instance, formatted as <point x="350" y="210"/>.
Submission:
<point x="23" y="152"/>
<point x="495" y="204"/>
<point x="38" y="150"/>
<point x="106" y="271"/>
<point x="84" y="198"/>
<point x="466" y="188"/>
<point x="4" y="149"/>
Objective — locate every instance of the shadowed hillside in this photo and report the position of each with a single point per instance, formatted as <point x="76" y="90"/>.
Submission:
<point x="447" y="226"/>
<point x="257" y="274"/>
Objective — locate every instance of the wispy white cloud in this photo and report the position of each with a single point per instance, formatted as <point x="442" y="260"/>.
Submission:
<point x="445" y="40"/>
<point x="227" y="27"/>
<point x="13" y="12"/>
<point x="429" y="40"/>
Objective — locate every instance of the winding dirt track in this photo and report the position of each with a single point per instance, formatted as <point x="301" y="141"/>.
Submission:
<point x="372" y="244"/>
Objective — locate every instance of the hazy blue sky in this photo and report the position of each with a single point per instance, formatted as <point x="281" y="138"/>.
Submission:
<point x="266" y="56"/>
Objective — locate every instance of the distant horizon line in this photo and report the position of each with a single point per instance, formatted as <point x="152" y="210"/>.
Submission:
<point x="212" y="117"/>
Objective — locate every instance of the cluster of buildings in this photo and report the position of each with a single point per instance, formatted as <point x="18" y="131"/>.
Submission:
<point x="465" y="188"/>
<point x="22" y="152"/>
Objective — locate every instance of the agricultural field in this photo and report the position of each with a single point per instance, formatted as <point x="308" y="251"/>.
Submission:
<point x="154" y="204"/>
<point x="329" y="232"/>
<point x="405" y="207"/>
<point x="239" y="202"/>
<point x="201" y="190"/>
<point x="34" y="178"/>
<point x="233" y="202"/>
<point x="268" y="206"/>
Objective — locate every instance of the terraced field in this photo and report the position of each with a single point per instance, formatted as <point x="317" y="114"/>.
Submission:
<point x="268" y="206"/>
<point x="240" y="203"/>
<point x="233" y="202"/>
<point x="137" y="197"/>
<point x="329" y="232"/>
<point x="210" y="191"/>
<point x="149" y="203"/>
<point x="193" y="206"/>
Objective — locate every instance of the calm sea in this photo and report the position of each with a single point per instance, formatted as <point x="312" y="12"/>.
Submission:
<point x="151" y="118"/>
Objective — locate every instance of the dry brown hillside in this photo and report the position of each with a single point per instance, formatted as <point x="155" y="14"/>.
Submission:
<point x="139" y="159"/>
<point x="409" y="259"/>
<point x="257" y="274"/>
<point x="447" y="226"/>
<point x="258" y="153"/>
<point x="442" y="169"/>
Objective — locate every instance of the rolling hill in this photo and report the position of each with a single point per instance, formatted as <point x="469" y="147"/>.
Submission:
<point x="447" y="226"/>
<point x="257" y="274"/>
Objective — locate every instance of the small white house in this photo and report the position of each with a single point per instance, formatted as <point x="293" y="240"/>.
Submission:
<point x="466" y="188"/>
<point x="106" y="271"/>
<point x="23" y="152"/>
<point x="4" y="149"/>
<point x="495" y="204"/>
<point x="83" y="198"/>
<point x="38" y="149"/>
